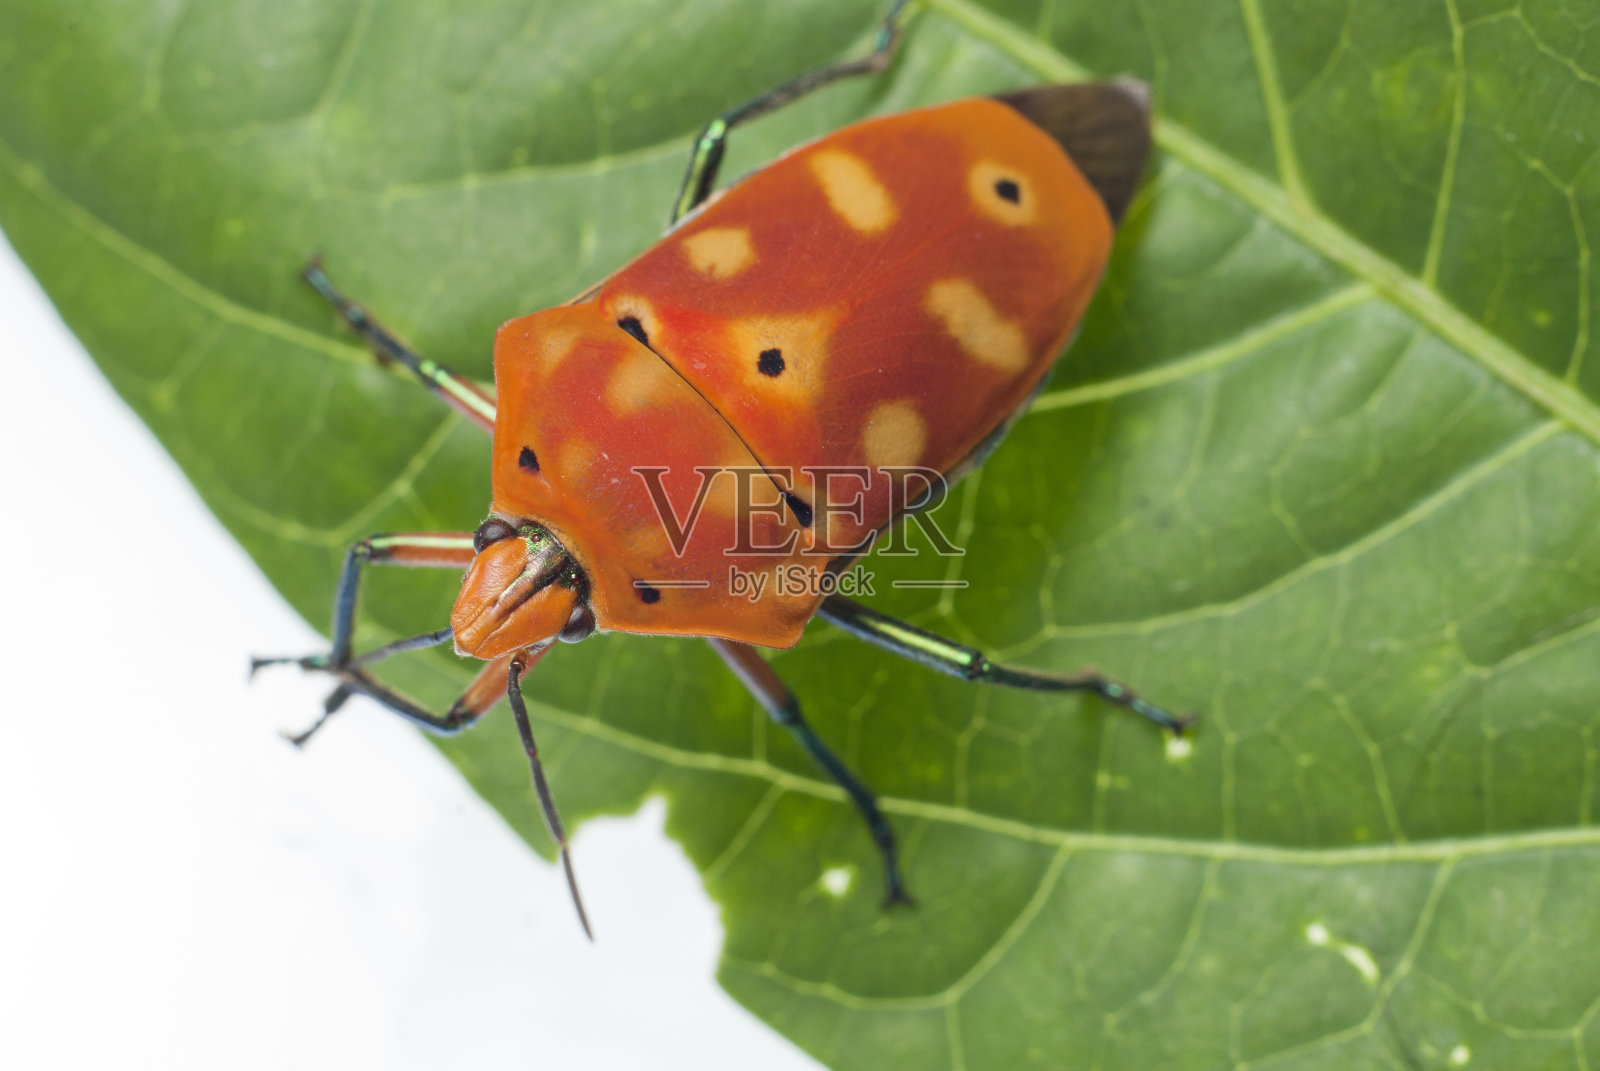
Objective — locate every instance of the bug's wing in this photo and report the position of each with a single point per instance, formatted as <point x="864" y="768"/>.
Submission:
<point x="584" y="409"/>
<point x="888" y="295"/>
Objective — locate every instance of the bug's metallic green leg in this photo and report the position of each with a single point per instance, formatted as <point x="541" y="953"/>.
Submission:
<point x="459" y="393"/>
<point x="449" y="550"/>
<point x="782" y="707"/>
<point x="706" y="157"/>
<point x="969" y="663"/>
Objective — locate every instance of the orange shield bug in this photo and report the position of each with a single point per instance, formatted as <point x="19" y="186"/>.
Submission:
<point x="805" y="358"/>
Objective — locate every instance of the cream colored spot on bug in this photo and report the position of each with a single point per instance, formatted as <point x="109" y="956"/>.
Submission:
<point x="895" y="434"/>
<point x="836" y="880"/>
<point x="854" y="192"/>
<point x="720" y="252"/>
<point x="968" y="316"/>
<point x="553" y="342"/>
<point x="648" y="542"/>
<point x="1002" y="193"/>
<point x="575" y="461"/>
<point x="722" y="496"/>
<point x="802" y="341"/>
<point x="631" y="305"/>
<point x="637" y="381"/>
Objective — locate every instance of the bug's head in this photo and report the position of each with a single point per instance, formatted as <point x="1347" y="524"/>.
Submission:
<point x="523" y="589"/>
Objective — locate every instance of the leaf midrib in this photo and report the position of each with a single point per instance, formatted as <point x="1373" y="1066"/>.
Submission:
<point x="1301" y="219"/>
<point x="1436" y="850"/>
<point x="1423" y="851"/>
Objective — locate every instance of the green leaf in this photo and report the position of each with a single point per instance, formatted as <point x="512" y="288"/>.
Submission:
<point x="1322" y="465"/>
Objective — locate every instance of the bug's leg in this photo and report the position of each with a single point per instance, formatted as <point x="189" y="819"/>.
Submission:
<point x="441" y="550"/>
<point x="459" y="393"/>
<point x="501" y="676"/>
<point x="330" y="706"/>
<point x="969" y="663"/>
<point x="484" y="691"/>
<point x="706" y="157"/>
<point x="420" y="550"/>
<point x="518" y="664"/>
<point x="780" y="704"/>
<point x="410" y="643"/>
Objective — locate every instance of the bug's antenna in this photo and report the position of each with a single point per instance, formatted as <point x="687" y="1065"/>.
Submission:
<point x="547" y="803"/>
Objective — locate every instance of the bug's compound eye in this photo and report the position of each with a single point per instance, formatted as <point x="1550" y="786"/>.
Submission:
<point x="492" y="530"/>
<point x="579" y="625"/>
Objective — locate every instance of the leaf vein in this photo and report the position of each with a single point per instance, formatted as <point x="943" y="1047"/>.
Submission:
<point x="354" y="38"/>
<point x="1422" y="509"/>
<point x="1189" y="365"/>
<point x="1272" y="96"/>
<point x="1447" y="176"/>
<point x="119" y="244"/>
<point x="1417" y="851"/>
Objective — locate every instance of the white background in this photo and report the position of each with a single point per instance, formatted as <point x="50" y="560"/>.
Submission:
<point x="181" y="888"/>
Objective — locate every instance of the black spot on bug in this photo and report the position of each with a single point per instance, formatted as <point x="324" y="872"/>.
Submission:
<point x="802" y="510"/>
<point x="770" y="363"/>
<point x="647" y="594"/>
<point x="528" y="461"/>
<point x="1009" y="191"/>
<point x="632" y="325"/>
